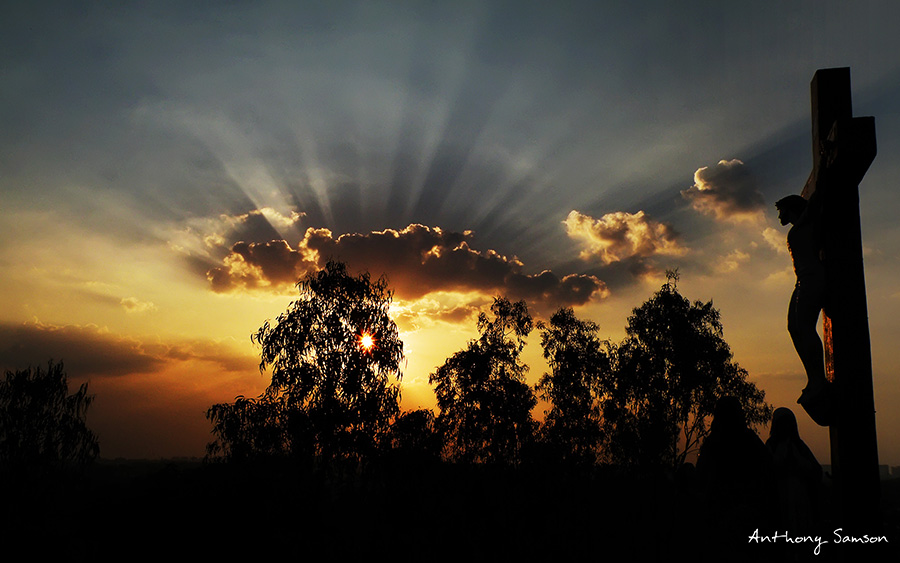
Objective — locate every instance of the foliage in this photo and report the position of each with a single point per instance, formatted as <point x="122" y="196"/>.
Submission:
<point x="484" y="401"/>
<point x="577" y="361"/>
<point x="415" y="437"/>
<point x="42" y="427"/>
<point x="331" y="394"/>
<point x="669" y="373"/>
<point x="645" y="401"/>
<point x="248" y="428"/>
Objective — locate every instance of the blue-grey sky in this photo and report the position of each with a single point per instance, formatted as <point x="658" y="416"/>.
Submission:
<point x="562" y="152"/>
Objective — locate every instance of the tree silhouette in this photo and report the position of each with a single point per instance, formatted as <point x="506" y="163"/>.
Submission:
<point x="249" y="429"/>
<point x="484" y="401"/>
<point x="415" y="438"/>
<point x="333" y="355"/>
<point x="577" y="360"/>
<point x="42" y="427"/>
<point x="669" y="373"/>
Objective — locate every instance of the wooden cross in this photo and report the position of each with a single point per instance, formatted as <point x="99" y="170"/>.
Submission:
<point x="843" y="148"/>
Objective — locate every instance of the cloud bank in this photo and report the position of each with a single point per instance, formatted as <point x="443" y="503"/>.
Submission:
<point x="91" y="351"/>
<point x="417" y="260"/>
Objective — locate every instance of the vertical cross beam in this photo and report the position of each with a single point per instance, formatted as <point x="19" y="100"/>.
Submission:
<point x="843" y="149"/>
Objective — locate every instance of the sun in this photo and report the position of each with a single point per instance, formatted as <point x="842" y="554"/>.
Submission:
<point x="366" y="341"/>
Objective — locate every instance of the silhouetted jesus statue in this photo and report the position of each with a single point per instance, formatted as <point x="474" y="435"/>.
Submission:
<point x="804" y="243"/>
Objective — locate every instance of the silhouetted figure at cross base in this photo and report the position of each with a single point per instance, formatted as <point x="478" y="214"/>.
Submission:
<point x="807" y="300"/>
<point x="798" y="475"/>
<point x="735" y="473"/>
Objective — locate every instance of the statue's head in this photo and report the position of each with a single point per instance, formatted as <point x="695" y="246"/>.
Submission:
<point x="790" y="208"/>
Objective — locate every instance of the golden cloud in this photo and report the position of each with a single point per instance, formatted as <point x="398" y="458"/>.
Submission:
<point x="620" y="236"/>
<point x="134" y="305"/>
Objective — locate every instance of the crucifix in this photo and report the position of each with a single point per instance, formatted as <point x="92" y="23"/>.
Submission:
<point x="843" y="148"/>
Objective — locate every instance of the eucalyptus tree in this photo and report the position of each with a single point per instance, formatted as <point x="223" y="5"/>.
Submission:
<point x="485" y="404"/>
<point x="334" y="357"/>
<point x="669" y="372"/>
<point x="578" y="361"/>
<point x="42" y="427"/>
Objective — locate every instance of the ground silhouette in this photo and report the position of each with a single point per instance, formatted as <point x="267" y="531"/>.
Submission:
<point x="405" y="484"/>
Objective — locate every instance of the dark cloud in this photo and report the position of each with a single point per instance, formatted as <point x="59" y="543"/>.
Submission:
<point x="92" y="351"/>
<point x="87" y="350"/>
<point x="417" y="260"/>
<point x="209" y="351"/>
<point x="727" y="191"/>
<point x="256" y="265"/>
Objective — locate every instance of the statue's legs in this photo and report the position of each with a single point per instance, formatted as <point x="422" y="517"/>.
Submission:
<point x="803" y="316"/>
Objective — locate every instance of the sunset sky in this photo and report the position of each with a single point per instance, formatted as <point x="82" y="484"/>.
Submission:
<point x="168" y="171"/>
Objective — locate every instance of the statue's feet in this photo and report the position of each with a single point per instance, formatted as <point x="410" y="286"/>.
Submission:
<point x="818" y="402"/>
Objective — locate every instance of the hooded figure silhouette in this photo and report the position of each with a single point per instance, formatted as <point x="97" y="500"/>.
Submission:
<point x="798" y="474"/>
